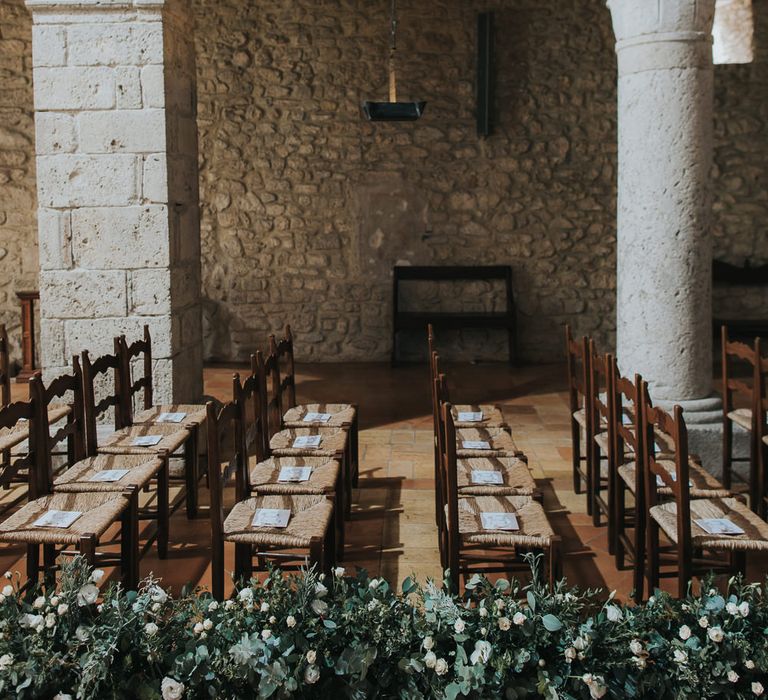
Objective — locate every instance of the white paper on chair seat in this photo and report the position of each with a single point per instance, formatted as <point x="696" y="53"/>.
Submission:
<point x="470" y="416"/>
<point x="146" y="440"/>
<point x="660" y="481"/>
<point x="271" y="517"/>
<point x="499" y="521"/>
<point x="57" y="518"/>
<point x="313" y="417"/>
<point x="304" y="441"/>
<point x="109" y="475"/>
<point x="475" y="445"/>
<point x="171" y="417"/>
<point x="719" y="526"/>
<point x="295" y="474"/>
<point x="489" y="476"/>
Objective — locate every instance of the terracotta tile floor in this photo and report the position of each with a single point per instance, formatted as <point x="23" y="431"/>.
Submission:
<point x="392" y="532"/>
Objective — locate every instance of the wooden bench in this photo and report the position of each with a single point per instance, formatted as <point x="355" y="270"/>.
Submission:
<point x="747" y="276"/>
<point x="453" y="320"/>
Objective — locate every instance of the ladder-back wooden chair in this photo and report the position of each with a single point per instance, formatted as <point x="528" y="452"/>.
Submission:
<point x="307" y="539"/>
<point x="761" y="434"/>
<point x="602" y="437"/>
<point x="83" y="518"/>
<point x="739" y="367"/>
<point x="471" y="530"/>
<point x="577" y="354"/>
<point x="189" y="416"/>
<point x="696" y="547"/>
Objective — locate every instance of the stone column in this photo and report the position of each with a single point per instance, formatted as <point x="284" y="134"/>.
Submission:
<point x="116" y="142"/>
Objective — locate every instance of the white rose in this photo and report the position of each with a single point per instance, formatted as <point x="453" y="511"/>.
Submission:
<point x="264" y="607"/>
<point x="311" y="656"/>
<point x="373" y="584"/>
<point x="749" y="664"/>
<point x="652" y="600"/>
<point x="6" y="661"/>
<point x="684" y="632"/>
<point x="483" y="612"/>
<point x="483" y="631"/>
<point x="613" y="612"/>
<point x="207" y="625"/>
<point x="636" y="647"/>
<point x="8" y="575"/>
<point x="744" y="609"/>
<point x="500" y="604"/>
<point x="570" y="654"/>
<point x="319" y="607"/>
<point x="580" y="643"/>
<point x="320" y="590"/>
<point x="715" y="634"/>
<point x="757" y="688"/>
<point x="87" y="595"/>
<point x="50" y="621"/>
<point x="504" y="623"/>
<point x="733" y="677"/>
<point x="213" y="605"/>
<point x="62" y="696"/>
<point x="266" y="634"/>
<point x="39" y="603"/>
<point x="156" y="607"/>
<point x="430" y="659"/>
<point x="158" y="595"/>
<point x="8" y="590"/>
<point x="81" y="633"/>
<point x="151" y="629"/>
<point x="519" y="618"/>
<point x="703" y="622"/>
<point x="680" y="656"/>
<point x="229" y="604"/>
<point x="97" y="575"/>
<point x="481" y="653"/>
<point x="428" y="643"/>
<point x="198" y="628"/>
<point x="245" y="595"/>
<point x="290" y="621"/>
<point x="171" y="689"/>
<point x="459" y="626"/>
<point x="441" y="667"/>
<point x="62" y="609"/>
<point x="311" y="674"/>
<point x="732" y="609"/>
<point x="339" y="571"/>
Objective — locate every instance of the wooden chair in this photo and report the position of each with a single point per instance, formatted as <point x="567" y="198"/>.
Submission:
<point x="95" y="512"/>
<point x="577" y="354"/>
<point x="307" y="539"/>
<point x="761" y="438"/>
<point x="293" y="415"/>
<point x="189" y="416"/>
<point x="470" y="548"/>
<point x="693" y="551"/>
<point x="739" y="397"/>
<point x="601" y="437"/>
<point x="126" y="438"/>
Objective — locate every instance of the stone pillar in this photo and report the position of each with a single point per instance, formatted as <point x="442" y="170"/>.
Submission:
<point x="116" y="142"/>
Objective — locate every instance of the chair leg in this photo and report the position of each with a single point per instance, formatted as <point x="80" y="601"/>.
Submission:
<point x="316" y="554"/>
<point x="727" y="452"/>
<point x="217" y="569"/>
<point x="652" y="553"/>
<point x="33" y="563"/>
<point x="88" y="549"/>
<point x="329" y="550"/>
<point x="754" y="478"/>
<point x="243" y="563"/>
<point x="192" y="471"/>
<point x="49" y="565"/>
<point x="576" y="455"/>
<point x="346" y="470"/>
<point x="129" y="543"/>
<point x="354" y="436"/>
<point x="619" y="529"/>
<point x="589" y="451"/>
<point x="639" y="556"/>
<point x="338" y="524"/>
<point x="163" y="509"/>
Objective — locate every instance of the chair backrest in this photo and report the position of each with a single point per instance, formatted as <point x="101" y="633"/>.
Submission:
<point x="626" y="416"/>
<point x="601" y="376"/>
<point x="11" y="415"/>
<point x="223" y="432"/>
<point x="5" y="368"/>
<point x="449" y="491"/>
<point x="736" y="354"/>
<point x="70" y="388"/>
<point x="93" y="409"/>
<point x="673" y="425"/>
<point x="138" y="348"/>
<point x="248" y="395"/>
<point x="272" y="409"/>
<point x="286" y="377"/>
<point x="577" y="361"/>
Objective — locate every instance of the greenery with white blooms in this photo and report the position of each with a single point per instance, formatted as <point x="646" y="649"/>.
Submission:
<point x="351" y="636"/>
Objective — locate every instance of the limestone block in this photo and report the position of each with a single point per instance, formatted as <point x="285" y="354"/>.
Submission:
<point x="82" y="181"/>
<point x="50" y="44"/>
<point x="155" y="178"/>
<point x="128" y="87"/>
<point x="83" y="293"/>
<point x="74" y="88"/>
<point x="131" y="237"/>
<point x="153" y="86"/>
<point x="97" y="334"/>
<point x="55" y="239"/>
<point x="122" y="130"/>
<point x="114" y="44"/>
<point x="55" y="133"/>
<point x="52" y="342"/>
<point x="149" y="292"/>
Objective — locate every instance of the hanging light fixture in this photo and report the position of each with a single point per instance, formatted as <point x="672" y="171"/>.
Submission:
<point x="393" y="111"/>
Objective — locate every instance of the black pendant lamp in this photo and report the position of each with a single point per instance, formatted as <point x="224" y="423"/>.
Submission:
<point x="393" y="111"/>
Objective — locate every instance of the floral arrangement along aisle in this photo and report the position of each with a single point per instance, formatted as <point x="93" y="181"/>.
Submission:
<point x="352" y="636"/>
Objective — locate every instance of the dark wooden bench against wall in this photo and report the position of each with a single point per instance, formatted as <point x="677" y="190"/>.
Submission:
<point x="454" y="320"/>
<point x="747" y="276"/>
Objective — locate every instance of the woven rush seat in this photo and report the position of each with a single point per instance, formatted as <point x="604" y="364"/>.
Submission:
<point x="742" y="417"/>
<point x="501" y="443"/>
<point x="98" y="510"/>
<point x="195" y="414"/>
<point x="121" y="441"/>
<point x="310" y="518"/>
<point x="334" y="441"/>
<point x="755" y="537"/>
<point x="323" y="479"/>
<point x="534" y="531"/>
<point x="703" y="484"/>
<point x="492" y="416"/>
<point x="517" y="477"/>
<point x="341" y="414"/>
<point x="78" y="478"/>
<point x="10" y="437"/>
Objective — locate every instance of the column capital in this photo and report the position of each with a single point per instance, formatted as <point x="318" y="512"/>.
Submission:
<point x="93" y="5"/>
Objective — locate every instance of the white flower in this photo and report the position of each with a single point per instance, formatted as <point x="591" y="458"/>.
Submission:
<point x="483" y="612"/>
<point x="504" y="623"/>
<point x="339" y="571"/>
<point x="733" y="677"/>
<point x="266" y="634"/>
<point x="441" y="667"/>
<point x="703" y="622"/>
<point x="732" y="609"/>
<point x="373" y="604"/>
<point x="158" y="595"/>
<point x="715" y="634"/>
<point x="264" y="607"/>
<point x="680" y="656"/>
<point x="580" y="643"/>
<point x="483" y="631"/>
<point x="55" y="601"/>
<point x="757" y="688"/>
<point x="373" y="584"/>
<point x="213" y="605"/>
<point x="198" y="628"/>
<point x="320" y="607"/>
<point x="2" y="598"/>
<point x="62" y="609"/>
<point x="651" y="600"/>
<point x="684" y="632"/>
<point x="50" y="621"/>
<point x="151" y="629"/>
<point x="7" y="590"/>
<point x="311" y="674"/>
<point x="172" y="689"/>
<point x="35" y="622"/>
<point x="207" y="624"/>
<point x="428" y="643"/>
<point x="6" y="661"/>
<point x="636" y="647"/>
<point x="8" y="575"/>
<point x="320" y="590"/>
<point x="613" y="612"/>
<point x="290" y="621"/>
<point x="519" y="618"/>
<point x="459" y="626"/>
<point x="155" y="607"/>
<point x="430" y="659"/>
<point x="62" y="696"/>
<point x="97" y="575"/>
<point x="481" y="653"/>
<point x="311" y="656"/>
<point x="39" y="603"/>
<point x="245" y="595"/>
<point x="229" y="604"/>
<point x="749" y="664"/>
<point x="570" y="654"/>
<point x="500" y="604"/>
<point x="81" y="633"/>
<point x="87" y="595"/>
<point x="744" y="608"/>
<point x="596" y="685"/>
<point x="639" y="661"/>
